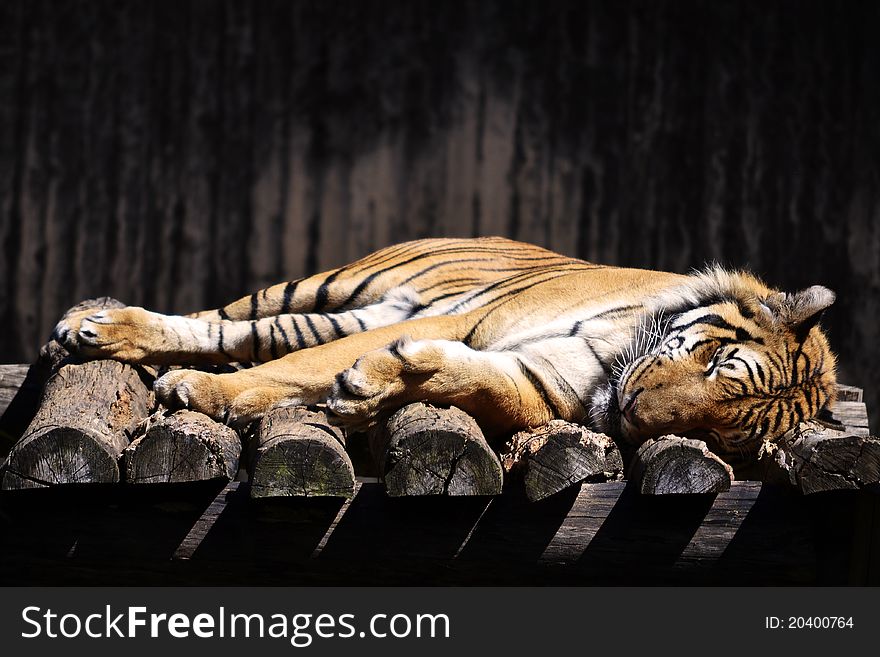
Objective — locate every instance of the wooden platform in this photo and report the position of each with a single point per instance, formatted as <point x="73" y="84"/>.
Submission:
<point x="214" y="534"/>
<point x="594" y="534"/>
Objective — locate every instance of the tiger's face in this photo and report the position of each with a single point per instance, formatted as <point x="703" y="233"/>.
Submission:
<point x="736" y="373"/>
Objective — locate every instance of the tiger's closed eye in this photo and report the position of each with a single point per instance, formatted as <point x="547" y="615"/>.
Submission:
<point x="715" y="360"/>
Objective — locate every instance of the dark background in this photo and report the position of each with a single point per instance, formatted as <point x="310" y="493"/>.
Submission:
<point x="180" y="154"/>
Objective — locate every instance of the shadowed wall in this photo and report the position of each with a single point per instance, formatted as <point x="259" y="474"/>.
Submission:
<point x="180" y="154"/>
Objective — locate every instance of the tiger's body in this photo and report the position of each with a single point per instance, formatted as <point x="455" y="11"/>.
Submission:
<point x="511" y="333"/>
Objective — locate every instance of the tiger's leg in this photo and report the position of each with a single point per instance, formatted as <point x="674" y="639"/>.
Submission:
<point x="503" y="390"/>
<point x="302" y="377"/>
<point x="136" y="335"/>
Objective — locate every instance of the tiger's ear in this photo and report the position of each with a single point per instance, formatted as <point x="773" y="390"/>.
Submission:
<point x="800" y="311"/>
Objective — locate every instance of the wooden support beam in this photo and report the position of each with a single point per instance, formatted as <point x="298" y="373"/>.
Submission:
<point x="560" y="454"/>
<point x="424" y="450"/>
<point x="674" y="465"/>
<point x="181" y="447"/>
<point x="299" y="454"/>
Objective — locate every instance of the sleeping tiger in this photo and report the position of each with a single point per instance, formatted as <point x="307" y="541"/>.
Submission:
<point x="511" y="333"/>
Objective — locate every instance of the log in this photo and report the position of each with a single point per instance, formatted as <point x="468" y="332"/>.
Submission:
<point x="558" y="455"/>
<point x="424" y="450"/>
<point x="299" y="454"/>
<point x="183" y="446"/>
<point x="816" y="458"/>
<point x="675" y="465"/>
<point x="832" y="452"/>
<point x="21" y="387"/>
<point x="83" y="423"/>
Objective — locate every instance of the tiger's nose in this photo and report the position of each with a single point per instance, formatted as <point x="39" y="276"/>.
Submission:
<point x="628" y="403"/>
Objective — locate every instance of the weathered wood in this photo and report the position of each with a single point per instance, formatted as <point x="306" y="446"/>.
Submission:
<point x="853" y="415"/>
<point x="299" y="454"/>
<point x="558" y="455"/>
<point x="847" y="393"/>
<point x="81" y="427"/>
<point x="184" y="446"/>
<point x="817" y="458"/>
<point x="674" y="465"/>
<point x="11" y="378"/>
<point x="424" y="450"/>
<point x="208" y="519"/>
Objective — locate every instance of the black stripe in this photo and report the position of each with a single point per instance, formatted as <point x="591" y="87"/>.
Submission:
<point x="255" y="342"/>
<point x="289" y="291"/>
<point x="760" y="373"/>
<point x="336" y="328"/>
<point x="323" y="291"/>
<point x="255" y="306"/>
<point x="313" y="329"/>
<point x="455" y="249"/>
<point x="605" y="368"/>
<point x="287" y="347"/>
<point x="300" y="341"/>
<point x="778" y="419"/>
<point x="711" y="320"/>
<point x="359" y="321"/>
<point x="273" y="348"/>
<point x="536" y="383"/>
<point x="700" y="343"/>
<point x="220" y="341"/>
<point x="605" y="314"/>
<point x="221" y="312"/>
<point x="562" y="383"/>
<point x="514" y="280"/>
<point x="497" y="303"/>
<point x="744" y="419"/>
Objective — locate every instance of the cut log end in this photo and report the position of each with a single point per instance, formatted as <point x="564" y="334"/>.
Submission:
<point x="182" y="447"/>
<point x="672" y="465"/>
<point x="299" y="454"/>
<point x="61" y="455"/>
<point x="817" y="458"/>
<point x="558" y="455"/>
<point x="424" y="450"/>
<point x="81" y="426"/>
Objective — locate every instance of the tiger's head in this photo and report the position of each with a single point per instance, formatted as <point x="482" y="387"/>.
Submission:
<point x="734" y="363"/>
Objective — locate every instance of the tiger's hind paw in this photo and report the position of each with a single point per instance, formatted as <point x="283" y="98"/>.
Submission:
<point x="215" y="396"/>
<point x="381" y="379"/>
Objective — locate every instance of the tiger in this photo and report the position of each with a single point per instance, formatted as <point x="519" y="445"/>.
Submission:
<point x="511" y="333"/>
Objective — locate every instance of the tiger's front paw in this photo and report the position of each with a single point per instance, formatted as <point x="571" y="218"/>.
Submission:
<point x="129" y="334"/>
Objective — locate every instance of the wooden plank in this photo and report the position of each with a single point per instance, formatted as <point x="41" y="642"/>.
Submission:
<point x="591" y="534"/>
<point x="206" y="521"/>
<point x="853" y="415"/>
<point x="847" y="393"/>
<point x="11" y="378"/>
